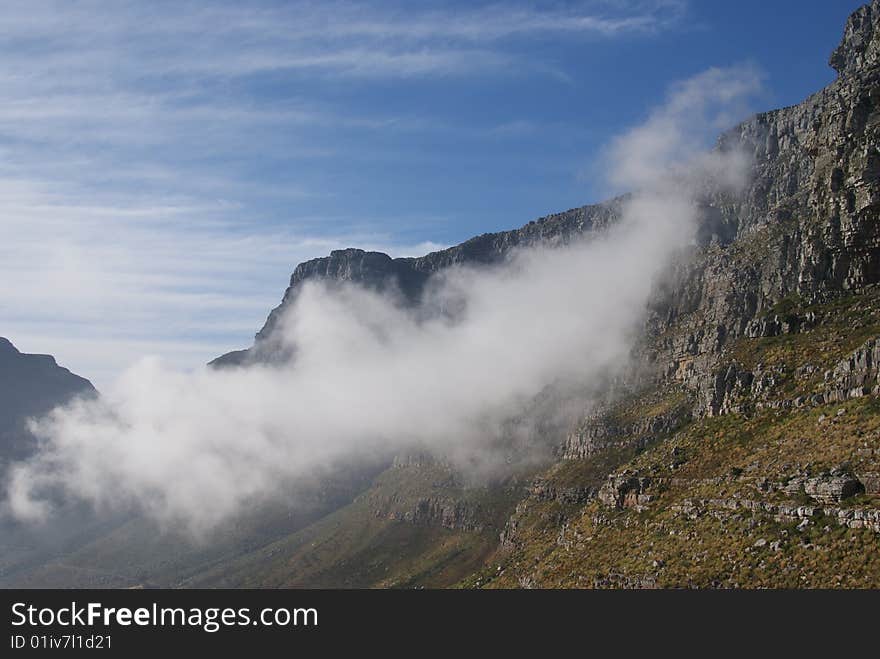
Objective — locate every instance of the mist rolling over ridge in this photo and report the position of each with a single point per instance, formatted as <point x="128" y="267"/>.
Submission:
<point x="372" y="375"/>
<point x="675" y="383"/>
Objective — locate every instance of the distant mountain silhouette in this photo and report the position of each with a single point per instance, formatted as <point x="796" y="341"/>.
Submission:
<point x="31" y="385"/>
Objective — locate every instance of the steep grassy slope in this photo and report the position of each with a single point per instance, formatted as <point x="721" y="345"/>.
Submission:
<point x="417" y="525"/>
<point x="712" y="524"/>
<point x="776" y="496"/>
<point x="81" y="549"/>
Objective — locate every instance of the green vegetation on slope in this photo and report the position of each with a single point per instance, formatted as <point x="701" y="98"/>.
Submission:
<point x="690" y="535"/>
<point x="417" y="526"/>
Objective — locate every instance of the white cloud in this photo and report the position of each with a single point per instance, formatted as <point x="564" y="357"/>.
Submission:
<point x="129" y="276"/>
<point x="134" y="71"/>
<point x="192" y="24"/>
<point x="672" y="134"/>
<point x="372" y="376"/>
<point x="128" y="202"/>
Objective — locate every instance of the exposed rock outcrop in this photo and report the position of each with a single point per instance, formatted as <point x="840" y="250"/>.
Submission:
<point x="602" y="429"/>
<point x="831" y="487"/>
<point x="439" y="511"/>
<point x="855" y="376"/>
<point x="859" y="49"/>
<point x="547" y="490"/>
<point x="626" y="490"/>
<point x="854" y="518"/>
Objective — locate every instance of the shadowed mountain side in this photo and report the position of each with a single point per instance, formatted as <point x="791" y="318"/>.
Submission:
<point x="31" y="385"/>
<point x="84" y="548"/>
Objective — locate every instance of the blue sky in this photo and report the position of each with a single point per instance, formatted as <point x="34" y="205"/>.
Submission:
<point x="164" y="166"/>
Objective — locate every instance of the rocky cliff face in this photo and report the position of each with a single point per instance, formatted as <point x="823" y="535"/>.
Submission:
<point x="860" y="49"/>
<point x="805" y="230"/>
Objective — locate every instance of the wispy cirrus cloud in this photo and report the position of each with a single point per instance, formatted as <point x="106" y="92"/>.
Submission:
<point x="200" y="75"/>
<point x="100" y="39"/>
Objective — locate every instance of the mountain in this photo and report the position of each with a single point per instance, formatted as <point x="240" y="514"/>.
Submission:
<point x="743" y="449"/>
<point x="30" y="386"/>
<point x="408" y="276"/>
<point x="751" y="456"/>
<point x="752" y="446"/>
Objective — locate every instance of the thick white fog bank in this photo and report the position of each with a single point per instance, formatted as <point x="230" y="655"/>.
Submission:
<point x="371" y="376"/>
